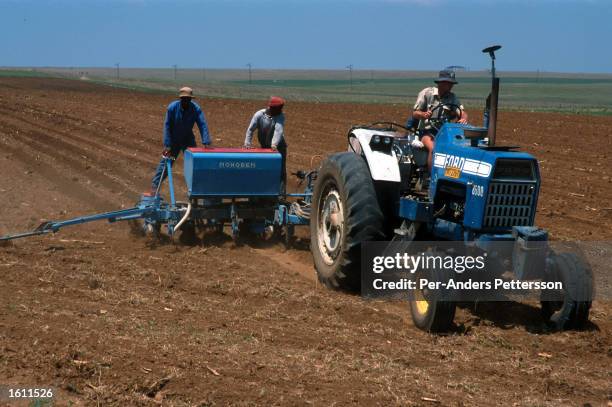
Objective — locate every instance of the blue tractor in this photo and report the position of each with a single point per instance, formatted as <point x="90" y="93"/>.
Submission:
<point x="477" y="193"/>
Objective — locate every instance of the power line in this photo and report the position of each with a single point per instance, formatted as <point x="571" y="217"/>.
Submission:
<point x="350" y="68"/>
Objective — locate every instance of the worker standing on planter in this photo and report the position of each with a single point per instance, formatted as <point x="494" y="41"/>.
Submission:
<point x="181" y="115"/>
<point x="270" y="125"/>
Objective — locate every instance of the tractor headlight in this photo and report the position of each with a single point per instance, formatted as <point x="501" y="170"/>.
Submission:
<point x="381" y="143"/>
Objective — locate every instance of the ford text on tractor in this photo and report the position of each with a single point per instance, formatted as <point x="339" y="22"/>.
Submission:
<point x="477" y="193"/>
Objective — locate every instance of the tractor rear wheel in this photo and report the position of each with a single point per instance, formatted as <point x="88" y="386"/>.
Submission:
<point x="432" y="310"/>
<point x="572" y="312"/>
<point x="345" y="213"/>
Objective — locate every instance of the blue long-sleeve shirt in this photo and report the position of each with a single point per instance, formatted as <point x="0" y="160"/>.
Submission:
<point x="178" y="127"/>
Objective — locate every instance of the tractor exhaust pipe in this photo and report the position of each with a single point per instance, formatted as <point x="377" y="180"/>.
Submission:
<point x="490" y="114"/>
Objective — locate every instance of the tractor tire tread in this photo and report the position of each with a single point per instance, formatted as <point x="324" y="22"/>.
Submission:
<point x="363" y="218"/>
<point x="578" y="280"/>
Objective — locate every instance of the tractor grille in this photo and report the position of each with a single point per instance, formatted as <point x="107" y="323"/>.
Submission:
<point x="509" y="204"/>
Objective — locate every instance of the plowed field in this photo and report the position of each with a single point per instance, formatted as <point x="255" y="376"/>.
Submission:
<point x="110" y="319"/>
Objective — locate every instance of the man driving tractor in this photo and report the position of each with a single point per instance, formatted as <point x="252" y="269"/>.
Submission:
<point x="433" y="103"/>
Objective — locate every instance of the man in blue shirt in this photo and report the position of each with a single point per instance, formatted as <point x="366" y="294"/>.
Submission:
<point x="181" y="115"/>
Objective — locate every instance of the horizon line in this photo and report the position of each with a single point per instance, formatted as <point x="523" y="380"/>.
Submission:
<point x="485" y="70"/>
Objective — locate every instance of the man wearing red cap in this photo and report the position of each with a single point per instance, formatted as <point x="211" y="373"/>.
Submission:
<point x="270" y="125"/>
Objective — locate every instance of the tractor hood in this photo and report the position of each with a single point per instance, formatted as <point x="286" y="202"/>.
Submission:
<point x="472" y="156"/>
<point x="499" y="186"/>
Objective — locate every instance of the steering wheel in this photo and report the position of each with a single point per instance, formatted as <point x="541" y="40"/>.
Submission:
<point x="444" y="113"/>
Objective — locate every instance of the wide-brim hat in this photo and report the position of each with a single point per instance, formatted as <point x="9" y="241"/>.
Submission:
<point x="446" y="76"/>
<point x="186" y="92"/>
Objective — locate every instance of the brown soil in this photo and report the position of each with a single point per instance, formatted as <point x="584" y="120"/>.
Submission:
<point x="106" y="318"/>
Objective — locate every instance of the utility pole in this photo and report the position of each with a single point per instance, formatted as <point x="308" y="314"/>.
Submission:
<point x="203" y="74"/>
<point x="350" y="68"/>
<point x="117" y="65"/>
<point x="175" y="67"/>
<point x="250" y="73"/>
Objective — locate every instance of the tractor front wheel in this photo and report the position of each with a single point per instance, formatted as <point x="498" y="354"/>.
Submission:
<point x="570" y="307"/>
<point x="432" y="310"/>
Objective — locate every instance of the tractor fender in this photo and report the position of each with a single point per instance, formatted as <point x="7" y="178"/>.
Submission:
<point x="383" y="166"/>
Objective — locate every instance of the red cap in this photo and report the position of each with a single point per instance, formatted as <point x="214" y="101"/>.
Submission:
<point x="276" y="101"/>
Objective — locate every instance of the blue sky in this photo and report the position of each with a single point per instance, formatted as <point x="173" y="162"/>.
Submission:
<point x="550" y="35"/>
